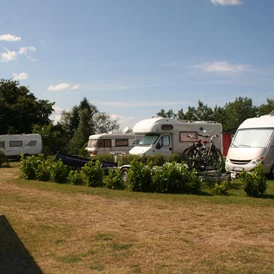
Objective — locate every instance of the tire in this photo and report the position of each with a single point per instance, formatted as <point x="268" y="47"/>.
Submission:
<point x="192" y="158"/>
<point x="217" y="159"/>
<point x="124" y="172"/>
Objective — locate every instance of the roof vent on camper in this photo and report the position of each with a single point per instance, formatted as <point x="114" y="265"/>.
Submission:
<point x="271" y="113"/>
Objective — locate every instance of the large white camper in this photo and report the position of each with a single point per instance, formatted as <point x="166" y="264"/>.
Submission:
<point x="252" y="143"/>
<point x="116" y="143"/>
<point x="13" y="145"/>
<point x="166" y="136"/>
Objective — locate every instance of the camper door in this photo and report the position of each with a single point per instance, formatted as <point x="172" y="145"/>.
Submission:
<point x="164" y="145"/>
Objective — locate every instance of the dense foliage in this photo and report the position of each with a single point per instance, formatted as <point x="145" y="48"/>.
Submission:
<point x="20" y="109"/>
<point x="230" y="116"/>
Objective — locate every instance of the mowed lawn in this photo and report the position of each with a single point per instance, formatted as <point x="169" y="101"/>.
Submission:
<point x="76" y="229"/>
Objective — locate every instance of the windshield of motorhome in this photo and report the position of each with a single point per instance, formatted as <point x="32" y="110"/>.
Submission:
<point x="93" y="143"/>
<point x="148" y="140"/>
<point x="256" y="138"/>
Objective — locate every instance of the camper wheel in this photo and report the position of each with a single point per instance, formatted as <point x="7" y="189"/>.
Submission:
<point x="124" y="172"/>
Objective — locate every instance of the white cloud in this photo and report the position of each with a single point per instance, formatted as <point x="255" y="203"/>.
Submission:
<point x="226" y="2"/>
<point x="20" y="76"/>
<point x="9" y="37"/>
<point x="221" y="66"/>
<point x="75" y="86"/>
<point x="8" y="56"/>
<point x="63" y="86"/>
<point x="26" y="50"/>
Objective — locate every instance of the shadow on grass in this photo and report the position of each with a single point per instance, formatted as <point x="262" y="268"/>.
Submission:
<point x="14" y="256"/>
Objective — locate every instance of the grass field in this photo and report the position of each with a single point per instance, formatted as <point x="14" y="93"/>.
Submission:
<point x="76" y="229"/>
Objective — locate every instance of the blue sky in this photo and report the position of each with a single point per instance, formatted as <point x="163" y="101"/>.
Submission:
<point x="132" y="58"/>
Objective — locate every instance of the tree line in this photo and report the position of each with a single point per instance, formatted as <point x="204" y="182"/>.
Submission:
<point x="21" y="112"/>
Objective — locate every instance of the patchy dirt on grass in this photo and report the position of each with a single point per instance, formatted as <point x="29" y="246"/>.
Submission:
<point x="92" y="233"/>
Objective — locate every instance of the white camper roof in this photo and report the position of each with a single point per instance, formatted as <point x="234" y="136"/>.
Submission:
<point x="154" y="124"/>
<point x="265" y="121"/>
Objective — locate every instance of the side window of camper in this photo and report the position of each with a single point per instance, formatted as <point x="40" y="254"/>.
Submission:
<point x="121" y="142"/>
<point x="105" y="143"/>
<point x="32" y="143"/>
<point x="165" y="141"/>
<point x="183" y="135"/>
<point x="16" y="143"/>
<point x="2" y="144"/>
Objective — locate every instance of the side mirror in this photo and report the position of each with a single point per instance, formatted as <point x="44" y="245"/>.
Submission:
<point x="158" y="146"/>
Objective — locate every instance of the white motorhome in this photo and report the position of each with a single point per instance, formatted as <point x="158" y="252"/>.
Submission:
<point x="13" y="145"/>
<point x="252" y="143"/>
<point x="166" y="136"/>
<point x="116" y="143"/>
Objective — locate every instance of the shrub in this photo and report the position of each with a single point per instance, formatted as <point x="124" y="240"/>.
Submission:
<point x="157" y="160"/>
<point x="29" y="165"/>
<point x="175" y="178"/>
<point x="254" y="182"/>
<point x="173" y="158"/>
<point x="114" y="180"/>
<point x="139" y="177"/>
<point x="3" y="158"/>
<point x="103" y="157"/>
<point x="76" y="178"/>
<point x="128" y="158"/>
<point x="42" y="170"/>
<point x="220" y="188"/>
<point x="93" y="174"/>
<point x="58" y="172"/>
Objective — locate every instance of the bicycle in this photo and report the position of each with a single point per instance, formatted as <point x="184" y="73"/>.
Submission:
<point x="203" y="157"/>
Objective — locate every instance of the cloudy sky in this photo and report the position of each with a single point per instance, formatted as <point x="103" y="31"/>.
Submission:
<point x="132" y="58"/>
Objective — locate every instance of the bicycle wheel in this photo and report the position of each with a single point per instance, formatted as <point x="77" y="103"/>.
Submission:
<point x="192" y="157"/>
<point x="184" y="155"/>
<point x="217" y="159"/>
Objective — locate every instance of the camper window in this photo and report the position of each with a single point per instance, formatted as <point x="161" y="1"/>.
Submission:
<point x="148" y="140"/>
<point x="183" y="135"/>
<point x="257" y="138"/>
<point x="105" y="143"/>
<point x="32" y="143"/>
<point x="2" y="144"/>
<point x="164" y="141"/>
<point x="16" y="143"/>
<point x="167" y="127"/>
<point x="121" y="142"/>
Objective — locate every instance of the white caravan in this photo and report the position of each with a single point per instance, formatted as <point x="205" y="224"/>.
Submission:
<point x="115" y="143"/>
<point x="252" y="143"/>
<point x="13" y="145"/>
<point x="166" y="136"/>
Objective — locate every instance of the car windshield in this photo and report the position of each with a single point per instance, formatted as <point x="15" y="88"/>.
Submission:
<point x="148" y="140"/>
<point x="255" y="138"/>
<point x="93" y="143"/>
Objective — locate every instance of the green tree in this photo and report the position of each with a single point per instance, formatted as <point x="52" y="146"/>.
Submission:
<point x="266" y="108"/>
<point x="80" y="137"/>
<point x="237" y="112"/>
<point x="54" y="138"/>
<point x="20" y="110"/>
<point x="104" y="124"/>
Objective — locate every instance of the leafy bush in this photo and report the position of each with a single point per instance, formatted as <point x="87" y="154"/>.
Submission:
<point x="58" y="172"/>
<point x="254" y="182"/>
<point x="157" y="160"/>
<point x="221" y="188"/>
<point x="93" y="174"/>
<point x="114" y="180"/>
<point x="76" y="178"/>
<point x="103" y="157"/>
<point x="139" y="177"/>
<point x="29" y="165"/>
<point x="3" y="158"/>
<point x="41" y="170"/>
<point x="128" y="158"/>
<point x="173" y="158"/>
<point x="175" y="178"/>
